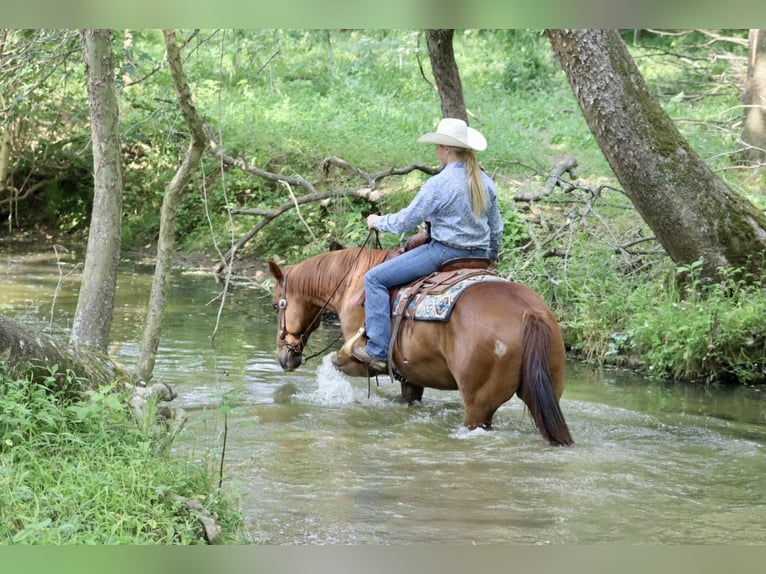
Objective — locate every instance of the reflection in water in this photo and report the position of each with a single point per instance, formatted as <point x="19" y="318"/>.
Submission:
<point x="316" y="460"/>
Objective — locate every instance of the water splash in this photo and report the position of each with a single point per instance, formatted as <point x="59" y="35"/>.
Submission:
<point x="333" y="388"/>
<point x="463" y="433"/>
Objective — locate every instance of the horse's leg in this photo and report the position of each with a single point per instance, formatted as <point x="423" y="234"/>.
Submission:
<point x="485" y="363"/>
<point x="411" y="392"/>
<point x="489" y="384"/>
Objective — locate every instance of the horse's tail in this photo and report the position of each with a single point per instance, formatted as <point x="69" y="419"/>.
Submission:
<point x="536" y="388"/>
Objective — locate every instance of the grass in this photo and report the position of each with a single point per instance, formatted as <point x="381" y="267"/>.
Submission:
<point x="83" y="471"/>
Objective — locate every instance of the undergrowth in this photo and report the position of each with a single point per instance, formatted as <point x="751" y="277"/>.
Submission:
<point x="663" y="321"/>
<point x="82" y="471"/>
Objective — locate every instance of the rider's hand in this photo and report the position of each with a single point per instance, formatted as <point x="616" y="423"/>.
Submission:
<point x="371" y="221"/>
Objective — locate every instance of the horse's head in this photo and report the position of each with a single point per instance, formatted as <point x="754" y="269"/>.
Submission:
<point x="297" y="318"/>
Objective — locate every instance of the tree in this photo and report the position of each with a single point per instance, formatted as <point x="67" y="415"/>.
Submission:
<point x="174" y="192"/>
<point x="693" y="213"/>
<point x="93" y="316"/>
<point x="446" y="73"/>
<point x="84" y="363"/>
<point x="754" y="125"/>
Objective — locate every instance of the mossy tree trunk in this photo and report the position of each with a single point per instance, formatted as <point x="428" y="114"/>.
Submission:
<point x="93" y="317"/>
<point x="754" y="125"/>
<point x="174" y="192"/>
<point x="446" y="74"/>
<point x="693" y="213"/>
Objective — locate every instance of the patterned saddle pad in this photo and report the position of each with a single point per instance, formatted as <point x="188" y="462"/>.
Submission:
<point x="433" y="298"/>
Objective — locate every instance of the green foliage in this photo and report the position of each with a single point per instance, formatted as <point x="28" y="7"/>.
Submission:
<point x="651" y="320"/>
<point x="515" y="230"/>
<point x="530" y="66"/>
<point x="43" y="105"/>
<point x="703" y="331"/>
<point x="81" y="471"/>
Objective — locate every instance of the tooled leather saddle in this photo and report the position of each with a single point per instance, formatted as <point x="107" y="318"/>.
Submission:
<point x="431" y="298"/>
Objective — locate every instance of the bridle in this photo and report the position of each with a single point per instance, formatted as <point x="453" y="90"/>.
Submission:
<point x="281" y="308"/>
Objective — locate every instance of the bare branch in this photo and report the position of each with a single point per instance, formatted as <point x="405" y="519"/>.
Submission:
<point x="567" y="165"/>
<point x="17" y="195"/>
<point x="373" y="179"/>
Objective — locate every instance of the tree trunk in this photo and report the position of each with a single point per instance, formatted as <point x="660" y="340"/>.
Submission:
<point x="26" y="351"/>
<point x="446" y="74"/>
<point x="95" y="303"/>
<point x="5" y="137"/>
<point x="754" y="126"/>
<point x="6" y="141"/>
<point x="174" y="192"/>
<point x="693" y="213"/>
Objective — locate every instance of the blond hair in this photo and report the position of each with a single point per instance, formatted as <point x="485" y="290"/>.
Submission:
<point x="475" y="180"/>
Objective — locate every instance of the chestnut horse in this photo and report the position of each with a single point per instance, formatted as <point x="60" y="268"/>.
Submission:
<point x="500" y="339"/>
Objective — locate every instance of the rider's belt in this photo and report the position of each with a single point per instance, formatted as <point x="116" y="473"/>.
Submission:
<point x="455" y="246"/>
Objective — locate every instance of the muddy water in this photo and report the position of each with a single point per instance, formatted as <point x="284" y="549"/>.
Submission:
<point x="318" y="458"/>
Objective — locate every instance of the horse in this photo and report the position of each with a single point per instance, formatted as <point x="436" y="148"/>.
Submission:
<point x="501" y="339"/>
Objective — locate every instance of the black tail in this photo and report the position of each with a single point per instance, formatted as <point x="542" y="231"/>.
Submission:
<point x="536" y="389"/>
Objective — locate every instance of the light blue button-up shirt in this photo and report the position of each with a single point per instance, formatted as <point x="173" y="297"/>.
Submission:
<point x="445" y="202"/>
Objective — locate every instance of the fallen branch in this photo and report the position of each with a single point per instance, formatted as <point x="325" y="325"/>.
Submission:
<point x="244" y="166"/>
<point x="567" y="165"/>
<point x="311" y="193"/>
<point x="19" y="195"/>
<point x="267" y="216"/>
<point x="373" y="179"/>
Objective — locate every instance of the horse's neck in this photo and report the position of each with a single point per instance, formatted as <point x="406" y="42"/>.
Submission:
<point x="332" y="275"/>
<point x="349" y="273"/>
<point x="327" y="289"/>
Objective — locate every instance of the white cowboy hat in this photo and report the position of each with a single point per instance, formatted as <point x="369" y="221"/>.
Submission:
<point x="454" y="132"/>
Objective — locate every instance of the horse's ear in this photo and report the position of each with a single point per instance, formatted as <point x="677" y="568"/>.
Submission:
<point x="276" y="272"/>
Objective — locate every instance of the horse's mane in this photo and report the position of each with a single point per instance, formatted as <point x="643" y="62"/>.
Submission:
<point x="321" y="274"/>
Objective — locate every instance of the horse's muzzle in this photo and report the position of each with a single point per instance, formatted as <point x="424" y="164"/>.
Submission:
<point x="289" y="359"/>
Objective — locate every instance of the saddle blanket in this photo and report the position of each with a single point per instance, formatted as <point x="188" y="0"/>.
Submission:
<point x="436" y="306"/>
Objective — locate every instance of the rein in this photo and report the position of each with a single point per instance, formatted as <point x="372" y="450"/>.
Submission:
<point x="283" y="305"/>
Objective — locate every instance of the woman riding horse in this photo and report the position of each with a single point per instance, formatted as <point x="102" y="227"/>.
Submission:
<point x="460" y="204"/>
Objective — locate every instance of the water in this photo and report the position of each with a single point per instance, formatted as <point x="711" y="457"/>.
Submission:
<point x="317" y="458"/>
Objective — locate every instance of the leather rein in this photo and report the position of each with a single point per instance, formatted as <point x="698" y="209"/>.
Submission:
<point x="302" y="338"/>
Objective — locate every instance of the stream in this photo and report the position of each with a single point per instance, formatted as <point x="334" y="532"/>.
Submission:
<point x="314" y="457"/>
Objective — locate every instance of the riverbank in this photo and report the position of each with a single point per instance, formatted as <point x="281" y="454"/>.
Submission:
<point x="82" y="470"/>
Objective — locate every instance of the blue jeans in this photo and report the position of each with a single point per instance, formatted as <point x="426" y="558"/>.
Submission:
<point x="402" y="269"/>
